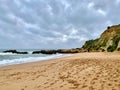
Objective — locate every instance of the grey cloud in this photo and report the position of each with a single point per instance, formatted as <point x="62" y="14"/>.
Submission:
<point x="54" y="23"/>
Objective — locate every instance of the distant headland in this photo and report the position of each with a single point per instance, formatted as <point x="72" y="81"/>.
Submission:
<point x="109" y="41"/>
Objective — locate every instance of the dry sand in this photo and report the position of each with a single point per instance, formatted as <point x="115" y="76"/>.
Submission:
<point x="84" y="71"/>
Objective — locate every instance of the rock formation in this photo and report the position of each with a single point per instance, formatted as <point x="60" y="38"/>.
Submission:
<point x="15" y="51"/>
<point x="108" y="41"/>
<point x="56" y="51"/>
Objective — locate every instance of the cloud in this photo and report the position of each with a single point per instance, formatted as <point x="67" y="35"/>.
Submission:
<point x="117" y="1"/>
<point x="102" y="12"/>
<point x="54" y="23"/>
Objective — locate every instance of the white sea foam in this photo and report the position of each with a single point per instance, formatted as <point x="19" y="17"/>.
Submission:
<point x="29" y="59"/>
<point x="7" y="54"/>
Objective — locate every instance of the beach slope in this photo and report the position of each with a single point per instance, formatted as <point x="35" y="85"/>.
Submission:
<point x="84" y="71"/>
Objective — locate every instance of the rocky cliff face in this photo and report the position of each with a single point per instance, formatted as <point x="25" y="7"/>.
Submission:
<point x="108" y="41"/>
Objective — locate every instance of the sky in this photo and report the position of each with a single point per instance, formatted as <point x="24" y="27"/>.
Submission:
<point x="53" y="24"/>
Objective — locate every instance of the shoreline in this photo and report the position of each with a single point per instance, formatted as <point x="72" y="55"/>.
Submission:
<point x="82" y="71"/>
<point x="33" y="59"/>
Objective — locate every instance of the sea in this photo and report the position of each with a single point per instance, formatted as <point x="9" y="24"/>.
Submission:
<point x="10" y="58"/>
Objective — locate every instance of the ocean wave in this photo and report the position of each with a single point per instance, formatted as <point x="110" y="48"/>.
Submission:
<point x="30" y="52"/>
<point x="25" y="60"/>
<point x="7" y="54"/>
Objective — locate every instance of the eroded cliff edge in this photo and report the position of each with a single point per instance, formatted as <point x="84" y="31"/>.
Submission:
<point x="108" y="41"/>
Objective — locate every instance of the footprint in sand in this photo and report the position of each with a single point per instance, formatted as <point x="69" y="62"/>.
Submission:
<point x="84" y="86"/>
<point x="91" y="88"/>
<point x="61" y="86"/>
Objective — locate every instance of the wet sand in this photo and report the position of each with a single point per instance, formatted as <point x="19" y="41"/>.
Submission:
<point x="84" y="71"/>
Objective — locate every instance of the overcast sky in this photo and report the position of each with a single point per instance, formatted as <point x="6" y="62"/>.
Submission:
<point x="54" y="23"/>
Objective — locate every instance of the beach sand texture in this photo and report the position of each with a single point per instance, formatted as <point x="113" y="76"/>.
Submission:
<point x="84" y="71"/>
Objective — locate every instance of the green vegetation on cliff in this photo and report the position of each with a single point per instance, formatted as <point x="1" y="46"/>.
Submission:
<point x="108" y="41"/>
<point x="91" y="45"/>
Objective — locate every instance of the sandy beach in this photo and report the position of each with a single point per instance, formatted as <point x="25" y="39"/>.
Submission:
<point x="83" y="71"/>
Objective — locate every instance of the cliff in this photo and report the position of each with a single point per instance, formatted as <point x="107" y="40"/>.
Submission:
<point x="108" y="41"/>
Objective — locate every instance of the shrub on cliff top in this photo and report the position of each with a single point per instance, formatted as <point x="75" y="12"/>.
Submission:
<point x="111" y="48"/>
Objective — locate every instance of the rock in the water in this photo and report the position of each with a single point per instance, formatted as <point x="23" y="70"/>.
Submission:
<point x="65" y="51"/>
<point x="48" y="51"/>
<point x="22" y="53"/>
<point x="36" y="52"/>
<point x="45" y="52"/>
<point x="15" y="51"/>
<point x="10" y="51"/>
